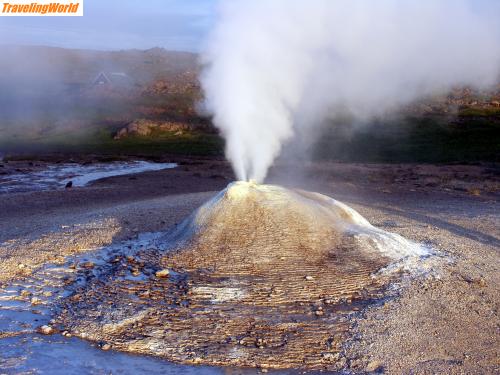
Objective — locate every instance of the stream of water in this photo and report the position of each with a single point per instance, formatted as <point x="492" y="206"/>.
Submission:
<point x="58" y="175"/>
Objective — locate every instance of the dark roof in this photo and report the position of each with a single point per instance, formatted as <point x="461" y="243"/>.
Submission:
<point x="115" y="78"/>
<point x="101" y="79"/>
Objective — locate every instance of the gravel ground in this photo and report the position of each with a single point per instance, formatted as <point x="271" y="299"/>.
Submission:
<point x="448" y="322"/>
<point x="445" y="323"/>
<point x="45" y="226"/>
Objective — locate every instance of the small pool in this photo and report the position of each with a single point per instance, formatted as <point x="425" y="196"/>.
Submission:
<point x="38" y="354"/>
<point x="57" y="176"/>
<point x="28" y="304"/>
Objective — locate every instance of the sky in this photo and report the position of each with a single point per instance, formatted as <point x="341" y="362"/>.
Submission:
<point x="123" y="24"/>
<point x="118" y="24"/>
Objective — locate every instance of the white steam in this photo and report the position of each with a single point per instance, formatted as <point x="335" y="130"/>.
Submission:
<point x="273" y="66"/>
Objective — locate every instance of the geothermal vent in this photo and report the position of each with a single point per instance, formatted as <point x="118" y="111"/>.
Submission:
<point x="271" y="222"/>
<point x="258" y="276"/>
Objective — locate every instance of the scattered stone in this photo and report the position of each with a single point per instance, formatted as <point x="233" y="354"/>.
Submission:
<point x="374" y="366"/>
<point x="342" y="362"/>
<point x="66" y="334"/>
<point x="309" y="278"/>
<point x="472" y="280"/>
<point x="259" y="343"/>
<point x="88" y="265"/>
<point x="26" y="271"/>
<point x="331" y="357"/>
<point x="69" y="185"/>
<point x="475" y="192"/>
<point x="106" y="347"/>
<point x="145" y="294"/>
<point x="162" y="273"/>
<point x="46" y="330"/>
<point x="35" y="301"/>
<point x="356" y="363"/>
<point x="319" y="312"/>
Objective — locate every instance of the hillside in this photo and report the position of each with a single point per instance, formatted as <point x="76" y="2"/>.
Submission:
<point x="56" y="99"/>
<point x="135" y="102"/>
<point x="68" y="66"/>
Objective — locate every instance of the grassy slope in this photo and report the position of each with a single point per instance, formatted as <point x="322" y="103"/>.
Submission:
<point x="100" y="141"/>
<point x="428" y="139"/>
<point x="472" y="136"/>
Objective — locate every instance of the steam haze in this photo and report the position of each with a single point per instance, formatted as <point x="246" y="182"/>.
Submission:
<point x="274" y="67"/>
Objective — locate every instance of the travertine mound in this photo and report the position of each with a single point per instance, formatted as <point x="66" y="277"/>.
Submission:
<point x="270" y="222"/>
<point x="258" y="276"/>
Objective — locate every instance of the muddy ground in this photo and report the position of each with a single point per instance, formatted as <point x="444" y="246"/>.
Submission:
<point x="447" y="323"/>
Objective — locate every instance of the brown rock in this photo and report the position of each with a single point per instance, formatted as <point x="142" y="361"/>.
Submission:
<point x="46" y="330"/>
<point x="162" y="273"/>
<point x="36" y="301"/>
<point x="374" y="366"/>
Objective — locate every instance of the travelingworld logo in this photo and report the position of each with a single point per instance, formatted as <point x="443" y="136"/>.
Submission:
<point x="41" y="8"/>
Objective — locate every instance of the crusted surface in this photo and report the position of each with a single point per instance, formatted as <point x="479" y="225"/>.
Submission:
<point x="252" y="282"/>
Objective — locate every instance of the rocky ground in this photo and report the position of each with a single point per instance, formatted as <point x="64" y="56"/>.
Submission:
<point x="67" y="221"/>
<point x="444" y="323"/>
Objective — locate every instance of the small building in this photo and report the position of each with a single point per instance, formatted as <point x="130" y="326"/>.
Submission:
<point x="120" y="79"/>
<point x="101" y="79"/>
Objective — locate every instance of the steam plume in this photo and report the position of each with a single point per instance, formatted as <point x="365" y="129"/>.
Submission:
<point x="274" y="66"/>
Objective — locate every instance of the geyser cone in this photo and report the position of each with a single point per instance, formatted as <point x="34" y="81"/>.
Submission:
<point x="256" y="224"/>
<point x="259" y="276"/>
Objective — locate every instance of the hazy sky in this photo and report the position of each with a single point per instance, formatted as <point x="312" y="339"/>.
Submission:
<point x="109" y="24"/>
<point x="122" y="24"/>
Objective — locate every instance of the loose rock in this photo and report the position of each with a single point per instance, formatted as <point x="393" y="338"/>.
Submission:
<point x="331" y="357"/>
<point x="66" y="334"/>
<point x="162" y="273"/>
<point x="374" y="366"/>
<point x="46" y="330"/>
